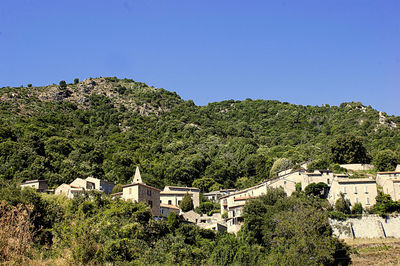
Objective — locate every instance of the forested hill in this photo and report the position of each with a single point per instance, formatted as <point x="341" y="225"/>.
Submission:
<point x="105" y="127"/>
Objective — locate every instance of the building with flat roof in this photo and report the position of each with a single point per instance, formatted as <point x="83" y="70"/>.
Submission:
<point x="39" y="185"/>
<point x="173" y="195"/>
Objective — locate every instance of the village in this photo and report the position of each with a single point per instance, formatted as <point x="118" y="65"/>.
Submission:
<point x="232" y="201"/>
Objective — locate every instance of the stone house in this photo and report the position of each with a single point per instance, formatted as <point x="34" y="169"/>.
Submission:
<point x="390" y="183"/>
<point x="216" y="195"/>
<point x="40" y="185"/>
<point x="69" y="190"/>
<point x="356" y="190"/>
<point x="79" y="186"/>
<point x="138" y="191"/>
<point x="166" y="209"/>
<point x="91" y="183"/>
<point x="173" y="195"/>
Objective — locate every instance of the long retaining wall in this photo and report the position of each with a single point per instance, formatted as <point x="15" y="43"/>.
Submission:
<point x="371" y="226"/>
<point x="357" y="167"/>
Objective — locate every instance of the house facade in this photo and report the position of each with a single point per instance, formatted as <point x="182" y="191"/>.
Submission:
<point x="390" y="183"/>
<point x="356" y="190"/>
<point x="166" y="209"/>
<point x="140" y="192"/>
<point x="173" y="195"/>
<point x="38" y="185"/>
<point x="216" y="195"/>
<point x="79" y="186"/>
<point x="69" y="191"/>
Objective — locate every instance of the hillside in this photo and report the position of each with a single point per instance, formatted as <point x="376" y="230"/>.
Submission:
<point x="106" y="126"/>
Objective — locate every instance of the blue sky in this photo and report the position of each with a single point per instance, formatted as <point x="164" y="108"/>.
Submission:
<point x="300" y="51"/>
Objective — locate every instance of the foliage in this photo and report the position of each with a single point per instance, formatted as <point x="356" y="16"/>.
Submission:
<point x="204" y="184"/>
<point x="279" y="165"/>
<point x="384" y="204"/>
<point x="16" y="232"/>
<point x="76" y="81"/>
<point x="319" y="164"/>
<point x="357" y="208"/>
<point x="317" y="189"/>
<point x="292" y="230"/>
<point x="186" y="203"/>
<point x="298" y="187"/>
<point x="348" y="149"/>
<point x="63" y="85"/>
<point x="117" y="188"/>
<point x="342" y="204"/>
<point x="386" y="160"/>
<point x="233" y="143"/>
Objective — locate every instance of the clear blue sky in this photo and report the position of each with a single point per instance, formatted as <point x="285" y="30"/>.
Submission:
<point x="299" y="51"/>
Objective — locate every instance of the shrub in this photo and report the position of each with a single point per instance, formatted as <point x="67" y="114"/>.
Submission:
<point x="16" y="232"/>
<point x="63" y="85"/>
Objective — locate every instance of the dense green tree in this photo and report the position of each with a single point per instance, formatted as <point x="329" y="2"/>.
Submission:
<point x="357" y="208"/>
<point x="186" y="203"/>
<point x="279" y="165"/>
<point x="76" y="81"/>
<point x="285" y="227"/>
<point x="386" y="160"/>
<point x="319" y="164"/>
<point x="63" y="85"/>
<point x="384" y="204"/>
<point x="348" y="149"/>
<point x="204" y="184"/>
<point x="342" y="204"/>
<point x="117" y="188"/>
<point x="317" y="189"/>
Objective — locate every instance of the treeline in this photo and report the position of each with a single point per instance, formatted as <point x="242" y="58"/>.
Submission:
<point x="94" y="229"/>
<point x="106" y="127"/>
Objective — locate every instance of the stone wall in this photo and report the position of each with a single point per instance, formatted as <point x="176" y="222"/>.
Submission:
<point x="357" y="166"/>
<point x="371" y="226"/>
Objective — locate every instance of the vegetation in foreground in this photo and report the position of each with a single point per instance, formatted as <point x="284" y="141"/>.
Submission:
<point x="95" y="229"/>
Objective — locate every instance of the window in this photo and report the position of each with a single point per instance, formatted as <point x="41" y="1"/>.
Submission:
<point x="344" y="190"/>
<point x="179" y="202"/>
<point x="150" y="203"/>
<point x="356" y="200"/>
<point x="130" y="190"/>
<point x="170" y="202"/>
<point x="148" y="192"/>
<point x="366" y="190"/>
<point x="367" y="201"/>
<point x="355" y="190"/>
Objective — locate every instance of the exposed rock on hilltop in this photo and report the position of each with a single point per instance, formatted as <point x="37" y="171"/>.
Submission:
<point x="125" y="93"/>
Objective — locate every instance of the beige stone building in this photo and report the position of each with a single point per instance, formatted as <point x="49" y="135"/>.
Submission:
<point x="69" y="191"/>
<point x="91" y="183"/>
<point x="39" y="185"/>
<point x="356" y="190"/>
<point x="139" y="191"/>
<point x="390" y="183"/>
<point x="173" y="195"/>
<point x="216" y="195"/>
<point x="79" y="186"/>
<point x="382" y="176"/>
<point x="166" y="209"/>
